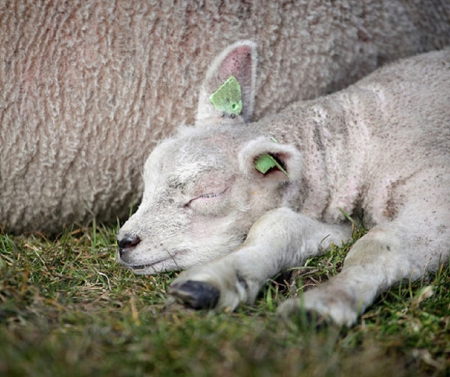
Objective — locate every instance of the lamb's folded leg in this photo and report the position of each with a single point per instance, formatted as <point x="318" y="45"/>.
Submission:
<point x="383" y="257"/>
<point x="374" y="263"/>
<point x="278" y="240"/>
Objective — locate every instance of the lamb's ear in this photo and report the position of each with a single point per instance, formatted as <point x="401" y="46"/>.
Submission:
<point x="227" y="93"/>
<point x="265" y="157"/>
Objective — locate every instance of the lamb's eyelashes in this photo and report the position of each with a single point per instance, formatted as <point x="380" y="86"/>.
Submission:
<point x="208" y="200"/>
<point x="209" y="196"/>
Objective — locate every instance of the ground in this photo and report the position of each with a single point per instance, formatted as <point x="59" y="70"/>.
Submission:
<point x="67" y="308"/>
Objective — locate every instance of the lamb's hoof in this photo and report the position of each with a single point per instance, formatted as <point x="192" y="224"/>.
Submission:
<point x="318" y="321"/>
<point x="291" y="311"/>
<point x="195" y="294"/>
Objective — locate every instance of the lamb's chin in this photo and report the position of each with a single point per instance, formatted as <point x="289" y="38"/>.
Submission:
<point x="162" y="265"/>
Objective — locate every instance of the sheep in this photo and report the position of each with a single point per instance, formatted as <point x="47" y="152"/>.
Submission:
<point x="236" y="203"/>
<point x="88" y="88"/>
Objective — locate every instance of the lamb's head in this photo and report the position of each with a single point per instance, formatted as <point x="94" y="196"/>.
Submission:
<point x="205" y="187"/>
<point x="202" y="194"/>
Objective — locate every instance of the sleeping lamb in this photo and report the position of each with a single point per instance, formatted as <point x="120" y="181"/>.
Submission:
<point x="236" y="203"/>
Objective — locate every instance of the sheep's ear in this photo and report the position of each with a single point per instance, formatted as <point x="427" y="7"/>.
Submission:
<point x="265" y="157"/>
<point x="227" y="93"/>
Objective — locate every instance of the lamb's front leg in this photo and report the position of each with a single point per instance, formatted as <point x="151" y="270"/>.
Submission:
<point x="278" y="240"/>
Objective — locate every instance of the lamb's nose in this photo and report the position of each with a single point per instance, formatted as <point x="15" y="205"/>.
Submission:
<point x="127" y="243"/>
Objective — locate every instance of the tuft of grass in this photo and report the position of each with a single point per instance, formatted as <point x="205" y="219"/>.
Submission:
<point x="67" y="308"/>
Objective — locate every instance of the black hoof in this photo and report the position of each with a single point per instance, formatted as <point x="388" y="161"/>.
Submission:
<point x="317" y="321"/>
<point x="195" y="294"/>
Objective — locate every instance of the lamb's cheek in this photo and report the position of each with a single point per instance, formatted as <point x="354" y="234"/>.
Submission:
<point x="206" y="227"/>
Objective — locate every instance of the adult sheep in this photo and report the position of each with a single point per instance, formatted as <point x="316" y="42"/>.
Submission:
<point x="89" y="87"/>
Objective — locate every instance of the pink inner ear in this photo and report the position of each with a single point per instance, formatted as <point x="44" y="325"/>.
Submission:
<point x="238" y="64"/>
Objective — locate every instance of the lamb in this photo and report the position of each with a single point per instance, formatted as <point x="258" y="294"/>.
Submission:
<point x="237" y="203"/>
<point x="88" y="88"/>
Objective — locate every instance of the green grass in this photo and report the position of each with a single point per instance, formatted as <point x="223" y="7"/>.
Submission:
<point x="68" y="309"/>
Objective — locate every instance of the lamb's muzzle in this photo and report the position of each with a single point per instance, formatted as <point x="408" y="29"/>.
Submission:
<point x="126" y="244"/>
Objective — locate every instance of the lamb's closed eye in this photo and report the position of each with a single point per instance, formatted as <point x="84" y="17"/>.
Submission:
<point x="208" y="200"/>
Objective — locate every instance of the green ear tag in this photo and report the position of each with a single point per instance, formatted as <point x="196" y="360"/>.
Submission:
<point x="228" y="98"/>
<point x="266" y="162"/>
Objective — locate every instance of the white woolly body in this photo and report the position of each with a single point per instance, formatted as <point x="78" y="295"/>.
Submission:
<point x="380" y="149"/>
<point x="88" y="87"/>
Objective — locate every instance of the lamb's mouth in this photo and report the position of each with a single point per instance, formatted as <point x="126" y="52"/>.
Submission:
<point x="141" y="267"/>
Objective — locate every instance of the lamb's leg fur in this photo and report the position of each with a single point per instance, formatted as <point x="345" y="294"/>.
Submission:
<point x="280" y="239"/>
<point x="374" y="263"/>
<point x="406" y="248"/>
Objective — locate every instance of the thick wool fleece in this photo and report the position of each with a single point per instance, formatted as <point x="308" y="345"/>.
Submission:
<point x="87" y="87"/>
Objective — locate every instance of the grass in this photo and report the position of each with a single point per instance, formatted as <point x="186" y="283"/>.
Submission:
<point x="68" y="309"/>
